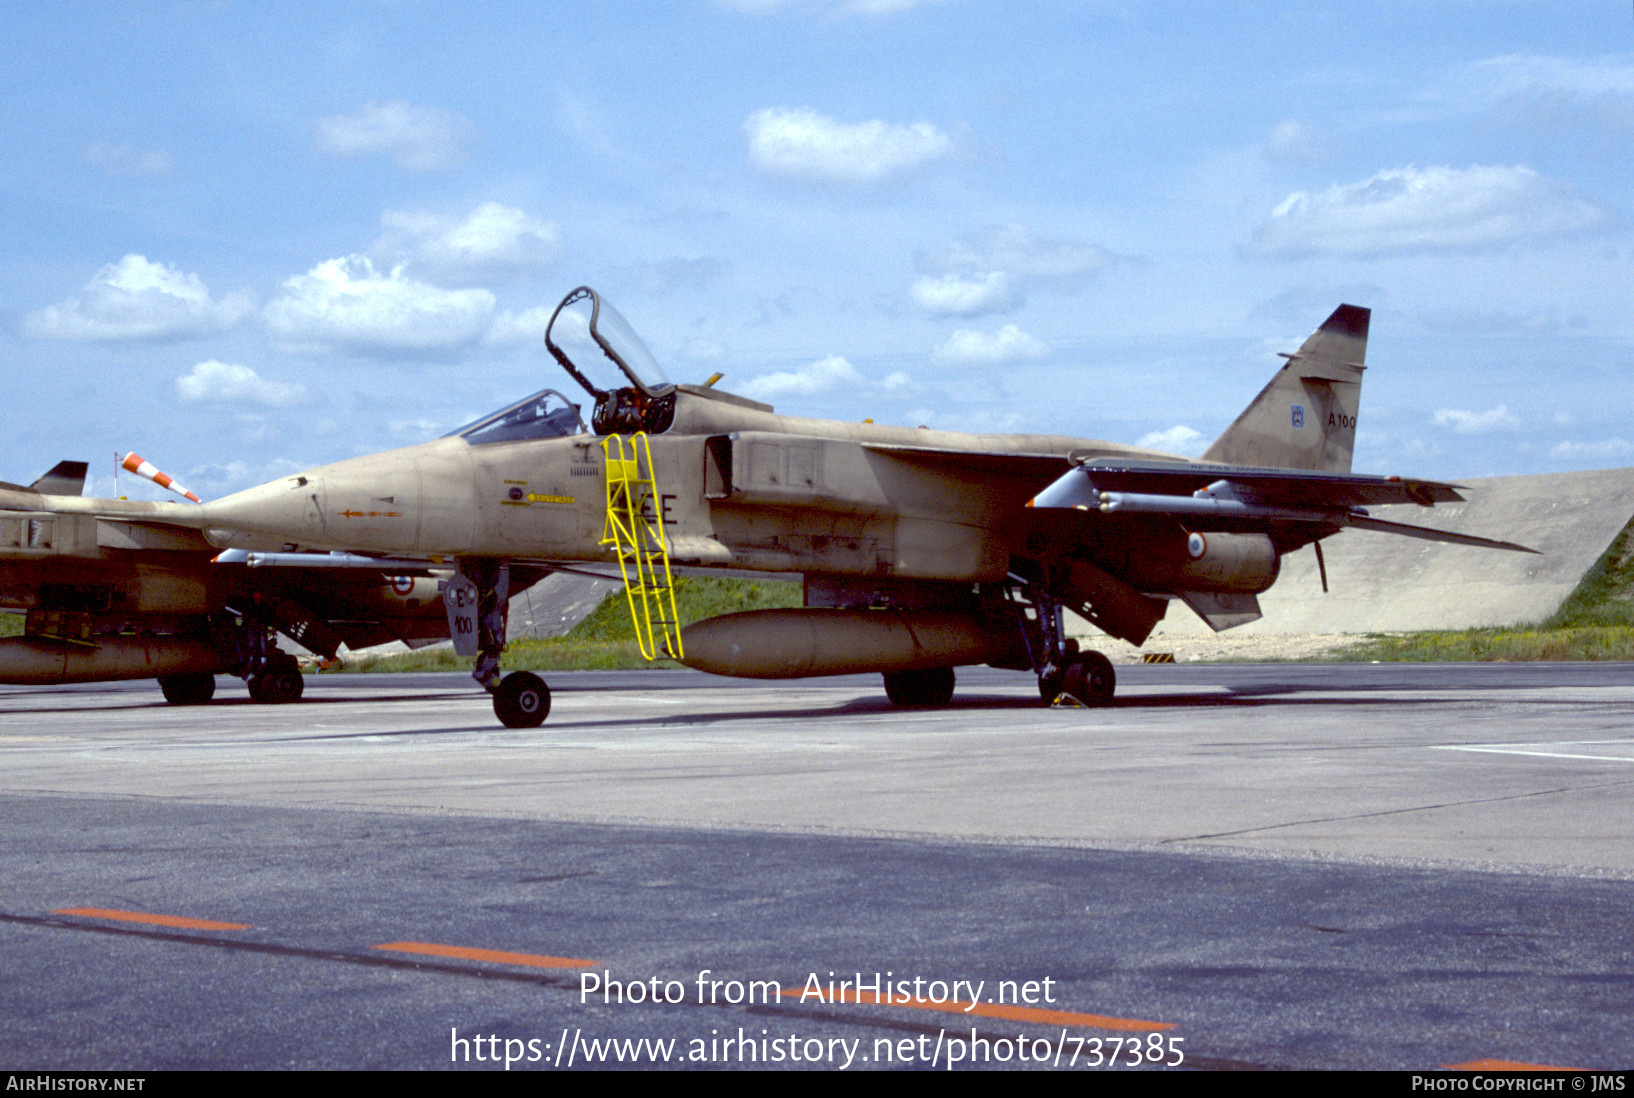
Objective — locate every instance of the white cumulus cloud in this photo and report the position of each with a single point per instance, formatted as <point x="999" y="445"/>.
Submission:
<point x="964" y="295"/>
<point x="1476" y="423"/>
<point x="419" y="139"/>
<point x="1178" y="439"/>
<point x="985" y="271"/>
<point x="806" y="145"/>
<point x="829" y="374"/>
<point x="1430" y="209"/>
<point x="1014" y="250"/>
<point x="136" y="299"/>
<point x="822" y="376"/>
<point x="524" y="327"/>
<point x="493" y="242"/>
<point x="1007" y="344"/>
<point x="226" y="383"/>
<point x="346" y="304"/>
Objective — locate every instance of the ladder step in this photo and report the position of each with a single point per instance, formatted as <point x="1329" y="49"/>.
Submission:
<point x="640" y="544"/>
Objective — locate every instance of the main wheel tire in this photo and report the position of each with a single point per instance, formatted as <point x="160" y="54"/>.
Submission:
<point x="522" y="700"/>
<point x="277" y="687"/>
<point x="192" y="688"/>
<point x="928" y="689"/>
<point x="1091" y="679"/>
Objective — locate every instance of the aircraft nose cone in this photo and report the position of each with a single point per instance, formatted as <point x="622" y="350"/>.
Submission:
<point x="279" y="514"/>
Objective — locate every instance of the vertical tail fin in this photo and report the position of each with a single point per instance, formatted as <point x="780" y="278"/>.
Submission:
<point x="66" y="478"/>
<point x="1305" y="418"/>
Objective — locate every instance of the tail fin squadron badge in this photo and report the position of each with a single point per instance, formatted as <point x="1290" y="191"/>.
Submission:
<point x="1298" y="411"/>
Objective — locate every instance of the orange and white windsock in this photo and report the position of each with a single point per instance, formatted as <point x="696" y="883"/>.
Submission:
<point x="133" y="463"/>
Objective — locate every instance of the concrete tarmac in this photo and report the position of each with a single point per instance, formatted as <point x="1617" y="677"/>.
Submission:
<point x="1381" y="866"/>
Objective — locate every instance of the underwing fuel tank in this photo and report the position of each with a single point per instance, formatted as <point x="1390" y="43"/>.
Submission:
<point x="43" y="661"/>
<point x="1215" y="562"/>
<point x="793" y="644"/>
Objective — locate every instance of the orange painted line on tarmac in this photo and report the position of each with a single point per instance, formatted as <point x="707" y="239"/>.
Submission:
<point x="497" y="956"/>
<point x="1505" y="1065"/>
<point x="1005" y="1011"/>
<point x="151" y="918"/>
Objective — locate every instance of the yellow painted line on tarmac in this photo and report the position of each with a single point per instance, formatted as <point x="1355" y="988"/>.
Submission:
<point x="151" y="918"/>
<point x="1004" y="1011"/>
<point x="496" y="956"/>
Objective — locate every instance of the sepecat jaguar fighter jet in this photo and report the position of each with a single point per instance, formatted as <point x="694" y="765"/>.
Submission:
<point x="921" y="550"/>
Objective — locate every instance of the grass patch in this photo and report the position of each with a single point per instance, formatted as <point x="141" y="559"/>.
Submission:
<point x="605" y="640"/>
<point x="1596" y="622"/>
<point x="1507" y="644"/>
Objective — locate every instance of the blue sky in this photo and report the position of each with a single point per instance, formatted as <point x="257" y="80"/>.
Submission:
<point x="241" y="239"/>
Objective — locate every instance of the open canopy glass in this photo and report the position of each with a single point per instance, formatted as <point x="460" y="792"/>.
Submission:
<point x="599" y="348"/>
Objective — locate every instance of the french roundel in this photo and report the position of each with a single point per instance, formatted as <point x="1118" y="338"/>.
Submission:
<point x="402" y="584"/>
<point x="1196" y="546"/>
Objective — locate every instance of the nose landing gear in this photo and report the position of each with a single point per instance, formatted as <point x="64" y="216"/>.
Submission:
<point x="476" y="600"/>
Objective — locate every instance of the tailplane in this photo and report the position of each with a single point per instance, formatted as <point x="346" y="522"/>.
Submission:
<point x="1305" y="418"/>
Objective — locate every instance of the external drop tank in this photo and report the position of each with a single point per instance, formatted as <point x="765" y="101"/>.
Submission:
<point x="793" y="644"/>
<point x="47" y="661"/>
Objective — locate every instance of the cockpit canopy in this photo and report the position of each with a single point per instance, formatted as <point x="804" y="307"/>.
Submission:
<point x="599" y="349"/>
<point x="545" y="414"/>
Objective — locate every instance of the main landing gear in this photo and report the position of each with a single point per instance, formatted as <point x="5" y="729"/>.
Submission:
<point x="1084" y="677"/>
<point x="191" y="688"/>
<point x="279" y="682"/>
<point x="249" y="649"/>
<point x="1065" y="674"/>
<point x="273" y="676"/>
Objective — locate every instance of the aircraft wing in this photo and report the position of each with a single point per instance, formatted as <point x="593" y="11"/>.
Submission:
<point x="1014" y="463"/>
<point x="1234" y="497"/>
<point x="1285" y="487"/>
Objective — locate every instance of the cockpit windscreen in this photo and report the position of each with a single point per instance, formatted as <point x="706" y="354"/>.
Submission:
<point x="545" y="414"/>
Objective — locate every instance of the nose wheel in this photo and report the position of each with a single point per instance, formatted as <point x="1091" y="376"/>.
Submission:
<point x="522" y="700"/>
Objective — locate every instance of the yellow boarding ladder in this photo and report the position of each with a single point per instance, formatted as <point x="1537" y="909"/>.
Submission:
<point x="635" y="529"/>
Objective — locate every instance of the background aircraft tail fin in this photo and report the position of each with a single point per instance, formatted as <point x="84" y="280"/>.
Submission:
<point x="66" y="478"/>
<point x="1305" y="418"/>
